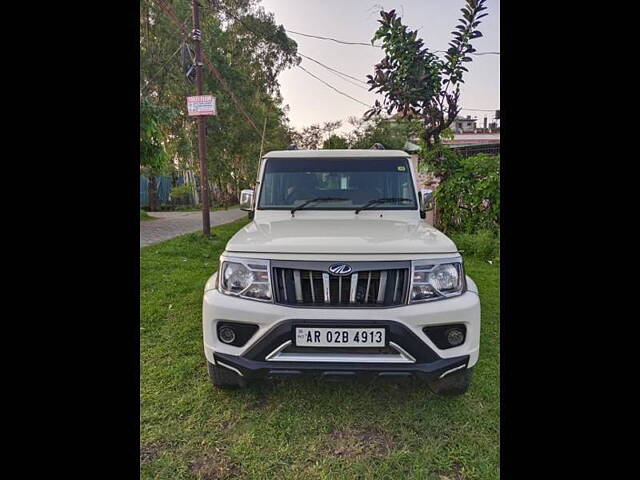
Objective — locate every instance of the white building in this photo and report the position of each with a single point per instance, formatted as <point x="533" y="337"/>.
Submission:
<point x="464" y="125"/>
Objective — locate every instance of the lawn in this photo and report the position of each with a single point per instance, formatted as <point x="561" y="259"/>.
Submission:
<point x="302" y="429"/>
<point x="144" y="216"/>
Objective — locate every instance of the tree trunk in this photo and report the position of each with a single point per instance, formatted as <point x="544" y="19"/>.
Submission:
<point x="153" y="194"/>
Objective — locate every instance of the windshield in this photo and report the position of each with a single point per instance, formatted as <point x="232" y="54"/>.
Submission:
<point x="350" y="183"/>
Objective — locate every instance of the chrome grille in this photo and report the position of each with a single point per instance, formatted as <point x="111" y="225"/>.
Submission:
<point x="363" y="288"/>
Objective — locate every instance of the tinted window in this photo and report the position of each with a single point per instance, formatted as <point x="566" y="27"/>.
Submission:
<point x="289" y="182"/>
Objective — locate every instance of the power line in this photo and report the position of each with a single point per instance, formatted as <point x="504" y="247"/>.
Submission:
<point x="169" y="12"/>
<point x="332" y="87"/>
<point x="272" y="36"/>
<point x="338" y="73"/>
<point x="372" y="44"/>
<point x="355" y="99"/>
<point x="331" y="69"/>
<point x="153" y="77"/>
<point x="333" y="39"/>
<point x="341" y="73"/>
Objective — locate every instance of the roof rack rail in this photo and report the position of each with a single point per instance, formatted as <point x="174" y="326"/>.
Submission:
<point x="377" y="146"/>
<point x="293" y="146"/>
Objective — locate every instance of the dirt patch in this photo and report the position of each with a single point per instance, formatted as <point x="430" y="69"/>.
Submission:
<point x="353" y="443"/>
<point x="227" y="424"/>
<point x="215" y="465"/>
<point x="150" y="452"/>
<point x="259" y="404"/>
<point x="454" y="474"/>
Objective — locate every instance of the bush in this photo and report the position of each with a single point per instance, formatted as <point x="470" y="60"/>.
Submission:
<point x="469" y="199"/>
<point x="484" y="245"/>
<point x="181" y="192"/>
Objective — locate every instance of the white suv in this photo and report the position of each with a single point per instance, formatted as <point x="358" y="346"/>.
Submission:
<point x="338" y="275"/>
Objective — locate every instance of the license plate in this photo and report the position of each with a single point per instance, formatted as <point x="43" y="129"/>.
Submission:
<point x="340" y="337"/>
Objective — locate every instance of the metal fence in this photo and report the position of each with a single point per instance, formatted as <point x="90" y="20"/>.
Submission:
<point x="164" y="185"/>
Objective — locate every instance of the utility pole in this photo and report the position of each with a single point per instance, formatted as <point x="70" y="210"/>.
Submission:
<point x="264" y="129"/>
<point x="202" y="141"/>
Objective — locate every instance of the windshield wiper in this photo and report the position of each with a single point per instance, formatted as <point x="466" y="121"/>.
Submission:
<point x="319" y="199"/>
<point x="381" y="200"/>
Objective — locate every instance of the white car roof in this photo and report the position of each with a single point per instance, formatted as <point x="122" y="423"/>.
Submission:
<point x="336" y="153"/>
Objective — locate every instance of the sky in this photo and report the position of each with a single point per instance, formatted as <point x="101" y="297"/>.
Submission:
<point x="310" y="101"/>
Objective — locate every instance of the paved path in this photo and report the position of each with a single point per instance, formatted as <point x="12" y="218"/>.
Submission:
<point x="171" y="224"/>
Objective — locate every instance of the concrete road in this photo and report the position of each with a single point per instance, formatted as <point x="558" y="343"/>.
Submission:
<point x="171" y="224"/>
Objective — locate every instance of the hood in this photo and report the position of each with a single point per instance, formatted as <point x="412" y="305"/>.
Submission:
<point x="359" y="235"/>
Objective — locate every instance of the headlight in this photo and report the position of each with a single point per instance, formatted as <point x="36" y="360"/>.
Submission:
<point x="431" y="281"/>
<point x="236" y="277"/>
<point x="445" y="278"/>
<point x="248" y="278"/>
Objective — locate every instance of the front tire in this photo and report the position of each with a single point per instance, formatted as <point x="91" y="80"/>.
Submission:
<point x="222" y="377"/>
<point x="456" y="383"/>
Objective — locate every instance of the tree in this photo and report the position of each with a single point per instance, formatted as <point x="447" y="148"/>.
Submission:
<point x="392" y="133"/>
<point x="335" y="142"/>
<point x="308" y="138"/>
<point x="154" y="159"/>
<point x="415" y="83"/>
<point x="249" y="50"/>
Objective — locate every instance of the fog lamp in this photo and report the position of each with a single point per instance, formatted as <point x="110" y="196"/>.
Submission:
<point x="227" y="335"/>
<point x="455" y="337"/>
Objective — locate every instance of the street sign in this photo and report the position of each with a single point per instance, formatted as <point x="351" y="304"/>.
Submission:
<point x="201" y="105"/>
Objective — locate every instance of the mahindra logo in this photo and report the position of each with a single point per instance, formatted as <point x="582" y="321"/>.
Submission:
<point x="340" y="269"/>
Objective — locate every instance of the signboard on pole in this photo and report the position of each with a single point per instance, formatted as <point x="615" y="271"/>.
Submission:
<point x="201" y="105"/>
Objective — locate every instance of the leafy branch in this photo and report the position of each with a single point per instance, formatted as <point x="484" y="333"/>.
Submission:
<point x="416" y="83"/>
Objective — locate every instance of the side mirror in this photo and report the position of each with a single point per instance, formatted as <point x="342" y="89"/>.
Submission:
<point x="246" y="200"/>
<point x="426" y="202"/>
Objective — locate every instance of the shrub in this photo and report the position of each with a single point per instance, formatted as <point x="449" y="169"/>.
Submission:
<point x="469" y="198"/>
<point x="181" y="192"/>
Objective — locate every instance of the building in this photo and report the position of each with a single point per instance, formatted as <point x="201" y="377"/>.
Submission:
<point x="467" y="144"/>
<point x="464" y="125"/>
<point x="473" y="139"/>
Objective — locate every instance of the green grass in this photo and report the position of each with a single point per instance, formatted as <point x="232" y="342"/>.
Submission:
<point x="304" y="429"/>
<point x="144" y="216"/>
<point x="484" y="245"/>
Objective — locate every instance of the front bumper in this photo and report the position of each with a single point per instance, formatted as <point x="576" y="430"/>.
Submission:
<point x="276" y="325"/>
<point x="251" y="369"/>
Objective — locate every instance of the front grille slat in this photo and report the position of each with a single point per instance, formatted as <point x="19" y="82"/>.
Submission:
<point x="326" y="288"/>
<point x="381" y="287"/>
<point x="366" y="295"/>
<point x="317" y="288"/>
<point x="354" y="288"/>
<point x="395" y="288"/>
<point x="284" y="289"/>
<point x="298" y="285"/>
<point x="313" y="293"/>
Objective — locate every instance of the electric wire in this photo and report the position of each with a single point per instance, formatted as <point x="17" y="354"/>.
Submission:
<point x="372" y="44"/>
<point x="216" y="74"/>
<point x="155" y="75"/>
<point x="332" y="87"/>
